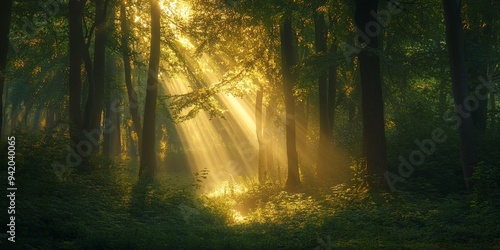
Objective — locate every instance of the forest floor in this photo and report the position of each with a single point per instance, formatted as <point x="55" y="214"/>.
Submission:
<point x="107" y="208"/>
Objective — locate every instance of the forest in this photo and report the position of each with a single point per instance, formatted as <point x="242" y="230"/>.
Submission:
<point x="250" y="124"/>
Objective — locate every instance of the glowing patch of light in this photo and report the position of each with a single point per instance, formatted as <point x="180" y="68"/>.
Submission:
<point x="185" y="42"/>
<point x="228" y="188"/>
<point x="175" y="8"/>
<point x="237" y="217"/>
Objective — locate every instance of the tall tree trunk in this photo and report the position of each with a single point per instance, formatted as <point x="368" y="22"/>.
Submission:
<point x="320" y="34"/>
<point x="148" y="158"/>
<point x="269" y="134"/>
<point x="287" y="62"/>
<point x="75" y="57"/>
<point x="480" y="115"/>
<point x="132" y="95"/>
<point x="5" y="16"/>
<point x="301" y="128"/>
<point x="95" y="98"/>
<point x="112" y="100"/>
<point x="374" y="142"/>
<point x="332" y="92"/>
<point x="454" y="40"/>
<point x="111" y="110"/>
<point x="262" y="172"/>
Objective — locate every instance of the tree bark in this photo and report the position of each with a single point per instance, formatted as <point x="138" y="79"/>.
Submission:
<point x="5" y="16"/>
<point x="332" y="93"/>
<point x="132" y="95"/>
<point x="269" y="134"/>
<point x="95" y="98"/>
<point x="374" y="142"/>
<point x="75" y="57"/>
<point x="287" y="62"/>
<point x="148" y="159"/>
<point x="320" y="34"/>
<point x="262" y="172"/>
<point x="454" y="40"/>
<point x="111" y="145"/>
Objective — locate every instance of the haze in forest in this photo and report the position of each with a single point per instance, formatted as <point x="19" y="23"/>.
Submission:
<point x="277" y="124"/>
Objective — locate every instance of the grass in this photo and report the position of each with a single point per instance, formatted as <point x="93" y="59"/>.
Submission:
<point x="108" y="208"/>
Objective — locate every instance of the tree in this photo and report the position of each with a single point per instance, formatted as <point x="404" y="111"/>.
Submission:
<point x="320" y="35"/>
<point x="374" y="142"/>
<point x="455" y="42"/>
<point x="94" y="107"/>
<point x="332" y="80"/>
<point x="262" y="172"/>
<point x="132" y="94"/>
<point x="75" y="57"/>
<point x="5" y="16"/>
<point x="287" y="62"/>
<point x="148" y="158"/>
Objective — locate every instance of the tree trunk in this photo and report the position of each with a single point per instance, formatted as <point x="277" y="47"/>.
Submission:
<point x="75" y="57"/>
<point x="320" y="34"/>
<point x="288" y="61"/>
<point x="262" y="172"/>
<point x="132" y="95"/>
<point x="95" y="98"/>
<point x="332" y="92"/>
<point x="111" y="145"/>
<point x="374" y="142"/>
<point x="148" y="158"/>
<point x="269" y="135"/>
<point x="454" y="40"/>
<point x="5" y="16"/>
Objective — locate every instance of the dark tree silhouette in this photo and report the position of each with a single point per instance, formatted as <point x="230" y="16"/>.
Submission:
<point x="287" y="62"/>
<point x="455" y="42"/>
<point x="94" y="106"/>
<point x="5" y="16"/>
<point x="75" y="57"/>
<point x="148" y="158"/>
<point x="374" y="142"/>
<point x="320" y="34"/>
<point x="132" y="95"/>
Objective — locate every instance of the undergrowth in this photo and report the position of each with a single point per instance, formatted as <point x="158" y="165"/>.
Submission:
<point x="107" y="207"/>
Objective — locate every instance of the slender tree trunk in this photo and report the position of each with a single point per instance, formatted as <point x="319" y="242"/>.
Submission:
<point x="288" y="61"/>
<point x="111" y="111"/>
<point x="95" y="98"/>
<point x="332" y="92"/>
<point x="269" y="134"/>
<point x="374" y="142"/>
<point x="75" y="57"/>
<point x="262" y="172"/>
<point x="148" y="157"/>
<point x="320" y="34"/>
<point x="480" y="116"/>
<point x="132" y="95"/>
<point x="5" y="16"/>
<point x="454" y="40"/>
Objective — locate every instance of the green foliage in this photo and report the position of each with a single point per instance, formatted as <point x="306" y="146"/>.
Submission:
<point x="486" y="180"/>
<point x="110" y="209"/>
